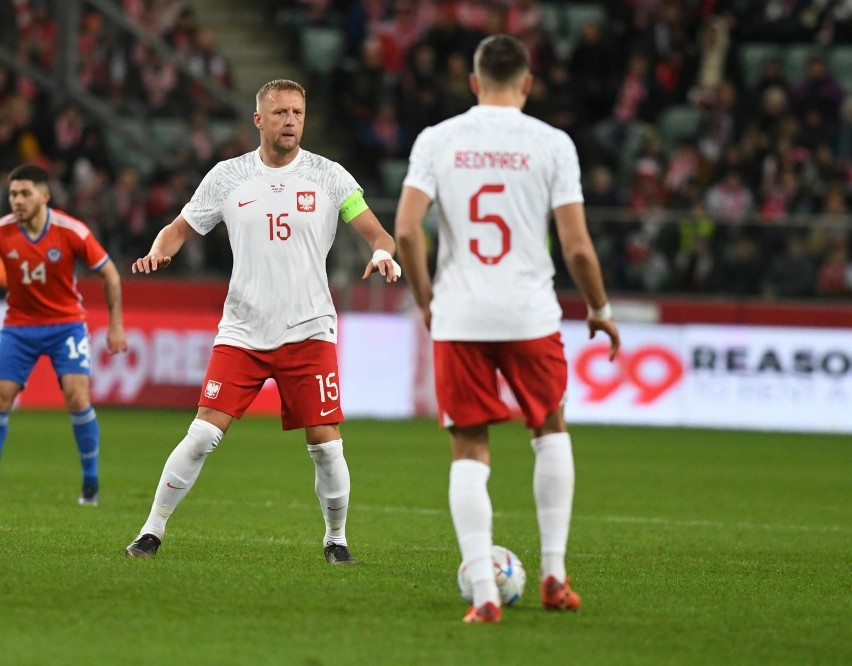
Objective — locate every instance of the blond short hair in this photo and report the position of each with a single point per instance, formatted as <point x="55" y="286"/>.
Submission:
<point x="276" y="86"/>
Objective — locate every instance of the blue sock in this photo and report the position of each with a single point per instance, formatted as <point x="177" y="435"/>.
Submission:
<point x="4" y="428"/>
<point x="88" y="436"/>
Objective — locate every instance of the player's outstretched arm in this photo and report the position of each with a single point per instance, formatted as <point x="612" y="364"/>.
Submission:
<point x="412" y="208"/>
<point x="166" y="245"/>
<point x="582" y="261"/>
<point x="381" y="243"/>
<point x="116" y="338"/>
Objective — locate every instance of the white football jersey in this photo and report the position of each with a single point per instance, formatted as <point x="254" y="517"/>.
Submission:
<point x="495" y="175"/>
<point x="281" y="225"/>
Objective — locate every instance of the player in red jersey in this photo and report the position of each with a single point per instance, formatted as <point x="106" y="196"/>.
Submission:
<point x="39" y="248"/>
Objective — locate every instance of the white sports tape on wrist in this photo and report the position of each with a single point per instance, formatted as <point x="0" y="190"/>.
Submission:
<point x="601" y="314"/>
<point x="384" y="255"/>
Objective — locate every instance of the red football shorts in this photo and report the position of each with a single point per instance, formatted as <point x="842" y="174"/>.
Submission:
<point x="468" y="388"/>
<point x="305" y="373"/>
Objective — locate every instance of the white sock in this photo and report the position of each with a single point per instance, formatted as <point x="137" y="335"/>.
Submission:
<point x="179" y="474"/>
<point x="470" y="506"/>
<point x="332" y="487"/>
<point x="553" y="487"/>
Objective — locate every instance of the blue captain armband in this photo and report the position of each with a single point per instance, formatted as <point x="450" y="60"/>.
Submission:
<point x="353" y="206"/>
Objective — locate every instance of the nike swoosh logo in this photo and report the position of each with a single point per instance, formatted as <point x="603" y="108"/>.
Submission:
<point x="326" y="413"/>
<point x="337" y="508"/>
<point x="169" y="484"/>
<point x="245" y="203"/>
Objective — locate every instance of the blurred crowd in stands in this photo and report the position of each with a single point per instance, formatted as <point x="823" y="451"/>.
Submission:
<point x="123" y="203"/>
<point x="705" y="171"/>
<point x="715" y="136"/>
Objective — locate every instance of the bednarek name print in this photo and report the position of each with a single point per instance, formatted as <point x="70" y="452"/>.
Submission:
<point x="474" y="159"/>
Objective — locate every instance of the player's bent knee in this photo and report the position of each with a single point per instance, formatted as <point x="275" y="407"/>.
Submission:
<point x="220" y="420"/>
<point x="75" y="390"/>
<point x="553" y="423"/>
<point x="202" y="438"/>
<point x="77" y="404"/>
<point x="320" y="434"/>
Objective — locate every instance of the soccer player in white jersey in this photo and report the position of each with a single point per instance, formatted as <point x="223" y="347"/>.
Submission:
<point x="280" y="205"/>
<point x="496" y="176"/>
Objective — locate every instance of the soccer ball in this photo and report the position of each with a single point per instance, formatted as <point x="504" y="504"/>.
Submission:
<point x="509" y="573"/>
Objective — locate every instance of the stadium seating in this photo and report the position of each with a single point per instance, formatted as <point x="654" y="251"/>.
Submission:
<point x="796" y="58"/>
<point x="574" y="16"/>
<point x="168" y="132"/>
<point x="392" y="174"/>
<point x="123" y="154"/>
<point x="221" y="131"/>
<point x="678" y="123"/>
<point x="322" y="48"/>
<point x="752" y="57"/>
<point x="840" y="64"/>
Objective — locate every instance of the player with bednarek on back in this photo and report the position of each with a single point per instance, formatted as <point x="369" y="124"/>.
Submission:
<point x="280" y="204"/>
<point x="39" y="249"/>
<point x="496" y="176"/>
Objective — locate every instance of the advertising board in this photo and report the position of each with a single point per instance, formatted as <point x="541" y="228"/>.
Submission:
<point x="765" y="378"/>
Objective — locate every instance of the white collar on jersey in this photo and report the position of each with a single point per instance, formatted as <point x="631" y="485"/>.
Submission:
<point x="494" y="108"/>
<point x="270" y="169"/>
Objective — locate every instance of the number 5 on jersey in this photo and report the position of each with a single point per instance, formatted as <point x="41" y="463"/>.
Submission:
<point x="505" y="232"/>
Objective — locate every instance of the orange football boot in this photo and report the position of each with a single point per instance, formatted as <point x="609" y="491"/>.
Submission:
<point x="487" y="613"/>
<point x="557" y="595"/>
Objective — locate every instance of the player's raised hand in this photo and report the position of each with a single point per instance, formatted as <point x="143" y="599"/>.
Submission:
<point x="150" y="263"/>
<point x="607" y="326"/>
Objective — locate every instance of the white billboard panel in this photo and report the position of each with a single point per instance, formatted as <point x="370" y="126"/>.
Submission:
<point x="765" y="378"/>
<point x="375" y="353"/>
<point x="795" y="379"/>
<point x="642" y="385"/>
<point x="768" y="378"/>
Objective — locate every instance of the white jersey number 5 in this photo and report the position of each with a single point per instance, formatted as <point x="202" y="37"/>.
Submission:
<point x="505" y="232"/>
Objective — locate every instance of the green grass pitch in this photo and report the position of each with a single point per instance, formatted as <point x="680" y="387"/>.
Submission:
<point x="688" y="547"/>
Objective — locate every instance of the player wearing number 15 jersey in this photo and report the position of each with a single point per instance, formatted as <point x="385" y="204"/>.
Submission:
<point x="39" y="248"/>
<point x="281" y="206"/>
<point x="496" y="175"/>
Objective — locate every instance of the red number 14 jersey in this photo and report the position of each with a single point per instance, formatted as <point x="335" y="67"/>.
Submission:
<point x="41" y="277"/>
